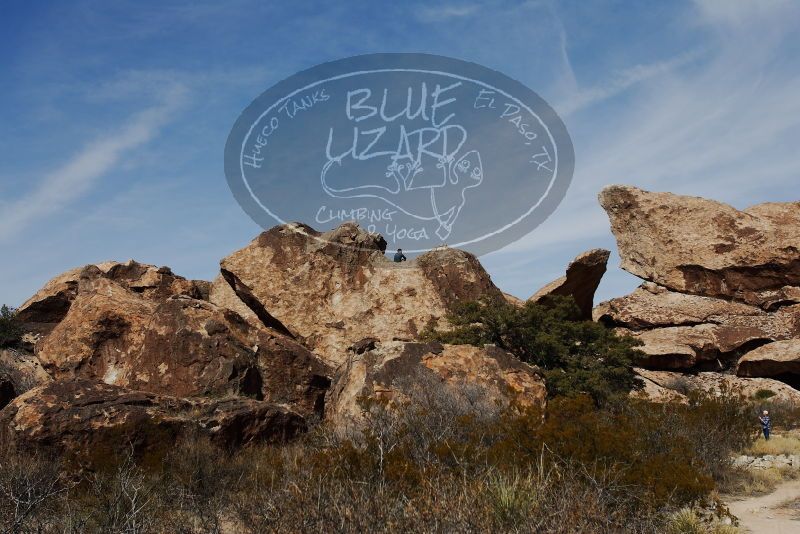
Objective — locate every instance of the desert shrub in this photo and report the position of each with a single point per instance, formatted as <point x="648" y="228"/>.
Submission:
<point x="577" y="356"/>
<point x="717" y="426"/>
<point x="121" y="500"/>
<point x="445" y="459"/>
<point x="10" y="327"/>
<point x="31" y="487"/>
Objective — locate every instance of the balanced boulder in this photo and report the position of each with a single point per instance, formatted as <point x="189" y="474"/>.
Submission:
<point x="719" y="282"/>
<point x="699" y="246"/>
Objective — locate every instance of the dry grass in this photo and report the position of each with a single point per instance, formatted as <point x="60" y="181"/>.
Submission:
<point x="747" y="482"/>
<point x="788" y="443"/>
<point x="687" y="521"/>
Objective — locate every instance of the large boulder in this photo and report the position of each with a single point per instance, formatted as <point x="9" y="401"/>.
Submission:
<point x="580" y="281"/>
<point x="180" y="346"/>
<point x="333" y="289"/>
<point x="376" y="371"/>
<point x="91" y="422"/>
<point x="44" y="310"/>
<point x="777" y="359"/>
<point x="104" y="325"/>
<point x="192" y="347"/>
<point x="699" y="246"/>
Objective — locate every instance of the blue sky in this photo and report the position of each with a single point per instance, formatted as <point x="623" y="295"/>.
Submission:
<point x="114" y="114"/>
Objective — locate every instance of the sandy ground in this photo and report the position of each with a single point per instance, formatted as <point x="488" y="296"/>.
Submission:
<point x="771" y="513"/>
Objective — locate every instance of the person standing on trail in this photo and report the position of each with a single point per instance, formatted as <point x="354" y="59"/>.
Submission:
<point x="766" y="424"/>
<point x="399" y="256"/>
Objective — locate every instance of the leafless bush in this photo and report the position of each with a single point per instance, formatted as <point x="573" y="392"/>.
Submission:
<point x="30" y="490"/>
<point x="123" y="500"/>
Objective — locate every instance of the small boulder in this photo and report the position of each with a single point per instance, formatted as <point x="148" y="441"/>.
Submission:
<point x="580" y="282"/>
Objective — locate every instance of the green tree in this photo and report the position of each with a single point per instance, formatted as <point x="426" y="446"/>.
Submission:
<point x="576" y="356"/>
<point x="10" y="327"/>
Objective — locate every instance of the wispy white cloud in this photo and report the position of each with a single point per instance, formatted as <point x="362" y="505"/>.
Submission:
<point x="740" y="13"/>
<point x="76" y="177"/>
<point x="446" y="12"/>
<point x="622" y="81"/>
<point x="719" y="123"/>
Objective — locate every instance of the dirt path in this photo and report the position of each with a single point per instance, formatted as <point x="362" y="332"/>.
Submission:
<point x="765" y="514"/>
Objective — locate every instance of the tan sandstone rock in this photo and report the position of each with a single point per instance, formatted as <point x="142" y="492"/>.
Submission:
<point x="681" y="330"/>
<point x="685" y="347"/>
<point x="223" y="295"/>
<point x="773" y="359"/>
<point x="700" y="246"/>
<point x="716" y="384"/>
<point x="90" y="421"/>
<point x="49" y="305"/>
<point x="383" y="371"/>
<point x="651" y="305"/>
<point x="580" y="282"/>
<point x="179" y="346"/>
<point x="336" y="288"/>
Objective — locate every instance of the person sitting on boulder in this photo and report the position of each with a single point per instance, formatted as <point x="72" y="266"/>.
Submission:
<point x="766" y="424"/>
<point x="399" y="256"/>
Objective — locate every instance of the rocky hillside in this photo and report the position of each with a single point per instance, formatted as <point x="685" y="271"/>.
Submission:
<point x="125" y="353"/>
<point x="301" y="326"/>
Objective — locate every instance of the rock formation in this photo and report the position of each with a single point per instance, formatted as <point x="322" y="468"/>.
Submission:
<point x="384" y="371"/>
<point x="178" y="345"/>
<point x="90" y="421"/>
<point x="334" y="289"/>
<point x="703" y="247"/>
<point x="580" y="282"/>
<point x="719" y="282"/>
<point x="301" y="325"/>
<point x="133" y="352"/>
